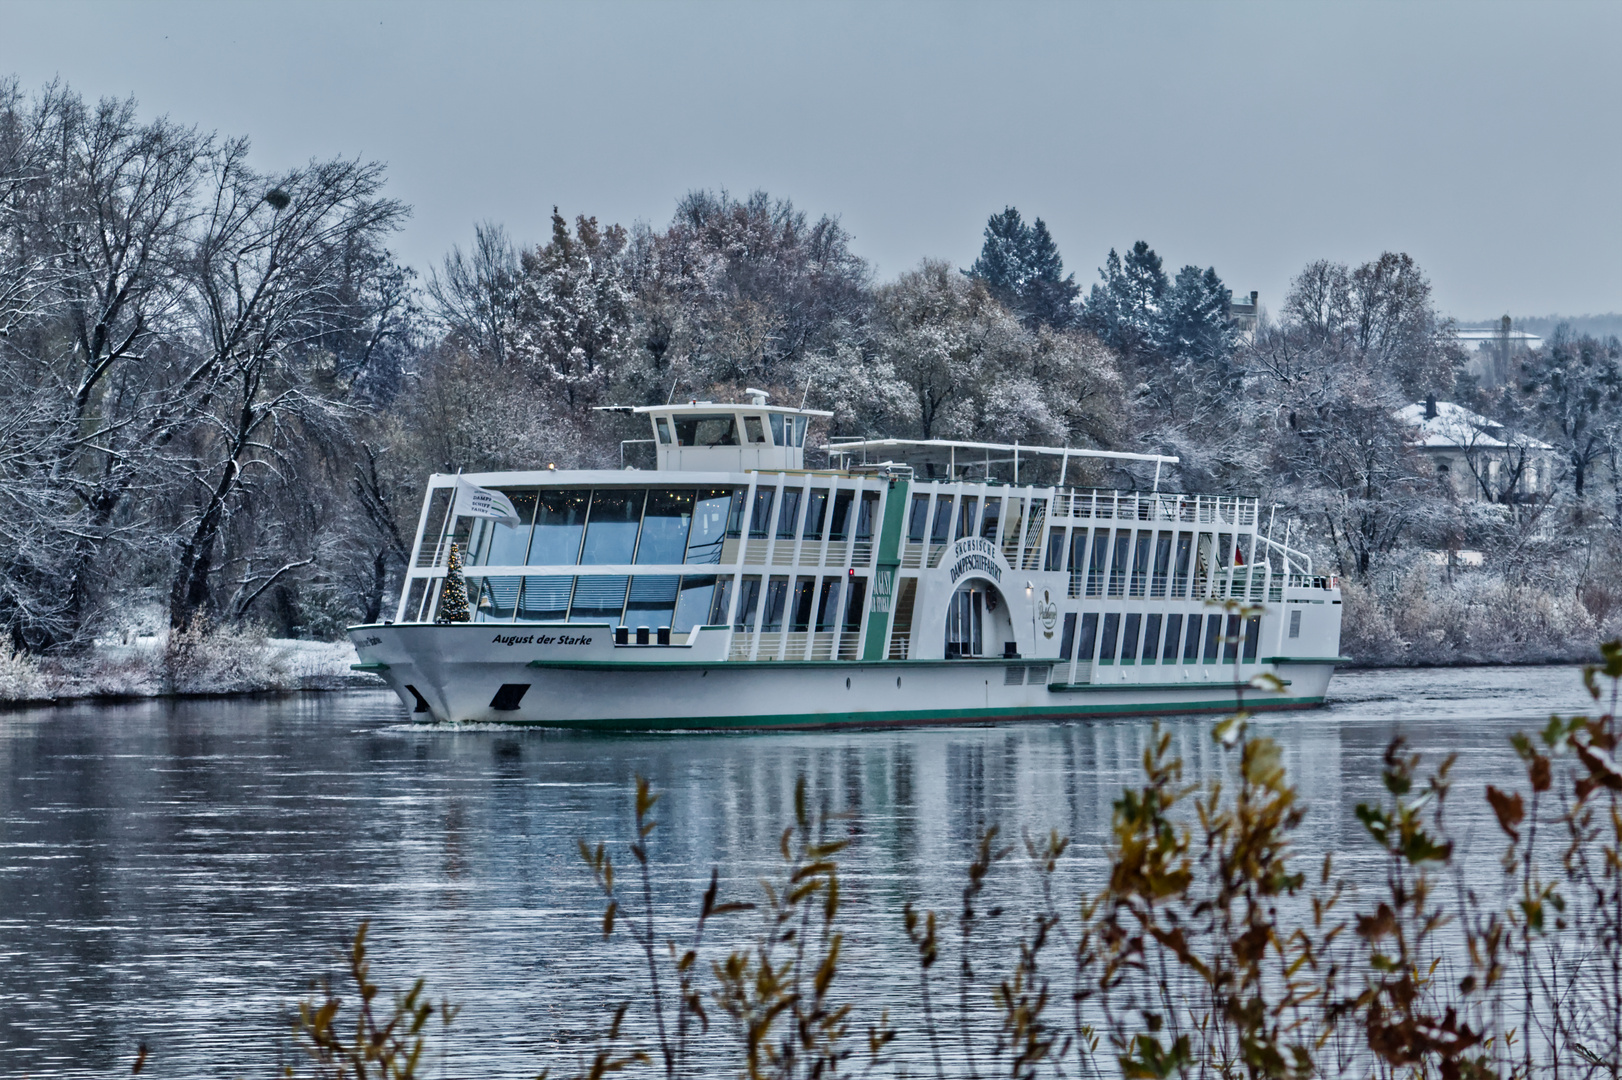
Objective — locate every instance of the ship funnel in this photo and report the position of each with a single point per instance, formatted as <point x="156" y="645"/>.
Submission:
<point x="756" y="397"/>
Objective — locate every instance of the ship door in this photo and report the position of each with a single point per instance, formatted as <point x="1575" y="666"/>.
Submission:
<point x="965" y="622"/>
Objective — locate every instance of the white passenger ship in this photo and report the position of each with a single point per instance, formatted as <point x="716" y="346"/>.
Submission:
<point x="735" y="588"/>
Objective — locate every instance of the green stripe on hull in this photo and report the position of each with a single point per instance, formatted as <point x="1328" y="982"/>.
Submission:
<point x="909" y="716"/>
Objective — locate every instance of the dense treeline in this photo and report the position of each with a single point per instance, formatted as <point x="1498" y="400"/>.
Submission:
<point x="225" y="390"/>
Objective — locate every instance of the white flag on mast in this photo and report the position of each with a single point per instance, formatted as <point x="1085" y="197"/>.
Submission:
<point x="475" y="501"/>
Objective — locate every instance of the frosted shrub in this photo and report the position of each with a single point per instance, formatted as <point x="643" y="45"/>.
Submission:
<point x="207" y="659"/>
<point x="21" y="678"/>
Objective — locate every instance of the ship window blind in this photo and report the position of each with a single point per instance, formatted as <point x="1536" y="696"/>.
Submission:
<point x="1117" y="569"/>
<point x="599" y="599"/>
<point x="855" y="605"/>
<point x="560" y="523"/>
<point x="1129" y="638"/>
<point x="1112" y="634"/>
<point x="545" y="598"/>
<point x="1067" y="637"/>
<point x="652" y="601"/>
<point x="1089" y="638"/>
<point x="1253" y="634"/>
<point x="839" y="526"/>
<point x="498" y="597"/>
<point x="828" y="606"/>
<point x="1185" y="547"/>
<point x="760" y="520"/>
<point x="665" y="526"/>
<point x="748" y="602"/>
<point x="1157" y="586"/>
<point x="1140" y="564"/>
<point x="771" y="616"/>
<point x="815" y="510"/>
<point x="918" y="519"/>
<point x="693" y="604"/>
<point x="868" y="510"/>
<point x="804" y="600"/>
<point x="1295" y="623"/>
<point x="1174" y="632"/>
<point x="788" y="514"/>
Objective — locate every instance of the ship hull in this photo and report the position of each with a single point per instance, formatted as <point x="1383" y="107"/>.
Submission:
<point x="576" y="678"/>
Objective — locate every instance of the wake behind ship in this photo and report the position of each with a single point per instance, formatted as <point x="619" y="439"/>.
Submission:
<point x="912" y="581"/>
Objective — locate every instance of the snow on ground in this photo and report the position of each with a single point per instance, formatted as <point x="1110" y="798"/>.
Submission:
<point x="215" y="661"/>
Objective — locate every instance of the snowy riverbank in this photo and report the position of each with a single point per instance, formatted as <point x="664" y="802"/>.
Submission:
<point x="214" y="662"/>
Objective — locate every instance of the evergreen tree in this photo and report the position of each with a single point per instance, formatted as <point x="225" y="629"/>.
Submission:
<point x="1126" y="310"/>
<point x="1021" y="266"/>
<point x="1198" y="328"/>
<point x="453" y="600"/>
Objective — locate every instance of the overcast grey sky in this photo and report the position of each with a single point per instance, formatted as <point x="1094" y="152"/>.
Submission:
<point x="1484" y="139"/>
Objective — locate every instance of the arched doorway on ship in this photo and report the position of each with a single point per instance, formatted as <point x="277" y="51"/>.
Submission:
<point x="977" y="621"/>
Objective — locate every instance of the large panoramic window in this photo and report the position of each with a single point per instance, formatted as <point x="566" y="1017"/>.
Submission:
<point x="839" y="526"/>
<point x="988" y="520"/>
<point x="941" y="531"/>
<point x="968" y="508"/>
<point x="509" y="545"/>
<point x="560" y="522"/>
<point x="693" y="604"/>
<point x="706" y="431"/>
<point x="709" y="525"/>
<point x="918" y="519"/>
<point x="611" y="527"/>
<point x="761" y="518"/>
<point x="665" y="526"/>
<point x="865" y="515"/>
<point x="1174" y="631"/>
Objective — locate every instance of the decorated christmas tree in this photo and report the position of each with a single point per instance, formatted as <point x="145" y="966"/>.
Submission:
<point x="453" y="601"/>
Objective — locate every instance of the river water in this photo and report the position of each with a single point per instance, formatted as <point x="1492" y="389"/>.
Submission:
<point x="176" y="873"/>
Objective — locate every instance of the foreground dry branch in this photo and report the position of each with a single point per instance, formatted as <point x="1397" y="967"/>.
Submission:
<point x="1210" y="952"/>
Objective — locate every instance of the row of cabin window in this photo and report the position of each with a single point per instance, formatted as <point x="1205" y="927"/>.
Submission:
<point x="721" y="429"/>
<point x="1131" y="562"/>
<point x="958" y="516"/>
<point x="1138" y="638"/>
<point x="679" y="602"/>
<point x="669" y="526"/>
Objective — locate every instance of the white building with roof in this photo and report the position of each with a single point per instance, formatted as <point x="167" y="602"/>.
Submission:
<point x="1477" y="457"/>
<point x="1493" y="354"/>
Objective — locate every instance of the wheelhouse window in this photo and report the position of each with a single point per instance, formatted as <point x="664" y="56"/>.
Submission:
<point x="718" y="430"/>
<point x="560" y="524"/>
<point x="663" y="427"/>
<point x="611" y="527"/>
<point x="754" y="431"/>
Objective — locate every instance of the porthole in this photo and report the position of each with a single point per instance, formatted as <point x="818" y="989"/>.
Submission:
<point x="847" y="683"/>
<point x="898" y="682"/>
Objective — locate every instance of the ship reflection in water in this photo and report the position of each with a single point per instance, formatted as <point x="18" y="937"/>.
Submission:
<point x="176" y="873"/>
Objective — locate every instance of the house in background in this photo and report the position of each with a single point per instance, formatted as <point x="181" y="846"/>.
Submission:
<point x="1494" y="354"/>
<point x="1476" y="457"/>
<point x="1245" y="314"/>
